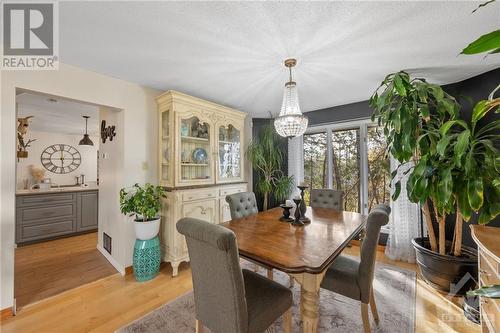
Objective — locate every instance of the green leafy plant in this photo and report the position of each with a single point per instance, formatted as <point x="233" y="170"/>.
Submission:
<point x="486" y="291"/>
<point x="267" y="159"/>
<point x="489" y="42"/>
<point x="454" y="163"/>
<point x="143" y="202"/>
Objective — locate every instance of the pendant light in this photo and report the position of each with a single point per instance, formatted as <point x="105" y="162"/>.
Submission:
<point x="86" y="140"/>
<point x="290" y="122"/>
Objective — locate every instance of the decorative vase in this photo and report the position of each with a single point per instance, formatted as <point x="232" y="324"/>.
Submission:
<point x="146" y="261"/>
<point x="297" y="221"/>
<point x="303" y="207"/>
<point x="147" y="253"/>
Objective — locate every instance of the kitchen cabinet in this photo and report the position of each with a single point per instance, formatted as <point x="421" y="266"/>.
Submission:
<point x="46" y="215"/>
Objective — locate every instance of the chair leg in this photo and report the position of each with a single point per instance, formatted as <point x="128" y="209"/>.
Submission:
<point x="373" y="306"/>
<point x="365" y="317"/>
<point x="287" y="321"/>
<point x="270" y="274"/>
<point x="199" y="326"/>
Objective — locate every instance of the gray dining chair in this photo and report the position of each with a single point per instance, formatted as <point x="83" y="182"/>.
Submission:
<point x="242" y="205"/>
<point x="326" y="198"/>
<point x="228" y="299"/>
<point x="353" y="278"/>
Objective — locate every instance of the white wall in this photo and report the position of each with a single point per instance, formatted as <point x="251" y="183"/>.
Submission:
<point x="88" y="165"/>
<point x="138" y="132"/>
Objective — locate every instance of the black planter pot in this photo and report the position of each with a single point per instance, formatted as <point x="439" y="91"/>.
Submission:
<point x="450" y="274"/>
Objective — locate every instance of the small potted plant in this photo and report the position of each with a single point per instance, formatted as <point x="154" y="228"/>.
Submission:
<point x="144" y="203"/>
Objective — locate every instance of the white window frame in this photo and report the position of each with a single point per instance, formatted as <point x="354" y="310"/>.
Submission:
<point x="362" y="125"/>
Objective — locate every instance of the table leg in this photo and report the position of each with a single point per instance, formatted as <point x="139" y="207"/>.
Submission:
<point x="309" y="300"/>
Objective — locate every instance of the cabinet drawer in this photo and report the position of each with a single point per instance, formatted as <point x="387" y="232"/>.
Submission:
<point x="491" y="309"/>
<point x="223" y="192"/>
<point x="33" y="215"/>
<point x="202" y="210"/>
<point x="198" y="195"/>
<point x="489" y="268"/>
<point x="44" y="199"/>
<point x="52" y="229"/>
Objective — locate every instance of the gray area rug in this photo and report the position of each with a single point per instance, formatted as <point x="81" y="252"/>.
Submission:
<point x="394" y="294"/>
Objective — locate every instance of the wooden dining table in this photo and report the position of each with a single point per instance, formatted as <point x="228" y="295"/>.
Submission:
<point x="304" y="252"/>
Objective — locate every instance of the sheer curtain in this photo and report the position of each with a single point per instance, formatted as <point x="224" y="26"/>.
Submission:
<point x="405" y="221"/>
<point x="296" y="162"/>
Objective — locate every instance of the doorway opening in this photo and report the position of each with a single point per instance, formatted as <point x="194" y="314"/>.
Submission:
<point x="57" y="197"/>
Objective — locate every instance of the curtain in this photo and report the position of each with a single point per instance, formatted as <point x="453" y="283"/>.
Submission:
<point x="405" y="221"/>
<point x="296" y="162"/>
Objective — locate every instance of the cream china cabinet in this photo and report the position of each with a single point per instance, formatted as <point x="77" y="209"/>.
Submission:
<point x="200" y="162"/>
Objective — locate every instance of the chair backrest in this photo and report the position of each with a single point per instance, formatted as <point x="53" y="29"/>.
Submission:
<point x="378" y="217"/>
<point x="242" y="204"/>
<point x="326" y="198"/>
<point x="219" y="290"/>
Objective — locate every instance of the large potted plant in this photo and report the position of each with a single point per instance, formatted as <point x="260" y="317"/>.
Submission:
<point x="144" y="203"/>
<point x="267" y="159"/>
<point x="455" y="168"/>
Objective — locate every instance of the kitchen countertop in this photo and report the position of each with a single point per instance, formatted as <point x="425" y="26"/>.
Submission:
<point x="59" y="190"/>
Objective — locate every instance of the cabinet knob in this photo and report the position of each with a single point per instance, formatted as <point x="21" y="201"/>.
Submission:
<point x="484" y="272"/>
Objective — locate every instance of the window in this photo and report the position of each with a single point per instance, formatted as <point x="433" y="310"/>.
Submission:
<point x="349" y="157"/>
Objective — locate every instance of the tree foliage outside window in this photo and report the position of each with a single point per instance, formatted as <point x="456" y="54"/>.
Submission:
<point x="345" y="157"/>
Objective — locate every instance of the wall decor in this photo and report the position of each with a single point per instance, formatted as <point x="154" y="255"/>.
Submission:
<point x="61" y="158"/>
<point x="107" y="132"/>
<point x="22" y="130"/>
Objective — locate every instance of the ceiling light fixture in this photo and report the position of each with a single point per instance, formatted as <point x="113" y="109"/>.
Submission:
<point x="86" y="140"/>
<point x="290" y="122"/>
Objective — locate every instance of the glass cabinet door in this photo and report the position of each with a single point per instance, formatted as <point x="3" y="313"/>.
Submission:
<point x="195" y="161"/>
<point x="165" y="149"/>
<point x="229" y="162"/>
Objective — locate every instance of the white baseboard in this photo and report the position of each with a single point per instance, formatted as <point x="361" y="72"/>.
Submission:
<point x="111" y="260"/>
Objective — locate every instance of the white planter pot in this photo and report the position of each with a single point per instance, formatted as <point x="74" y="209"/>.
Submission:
<point x="147" y="230"/>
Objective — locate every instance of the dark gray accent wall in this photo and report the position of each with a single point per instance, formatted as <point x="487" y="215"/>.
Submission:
<point x="346" y="112"/>
<point x="257" y="125"/>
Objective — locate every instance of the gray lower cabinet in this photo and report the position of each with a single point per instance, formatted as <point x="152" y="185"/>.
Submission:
<point x="48" y="215"/>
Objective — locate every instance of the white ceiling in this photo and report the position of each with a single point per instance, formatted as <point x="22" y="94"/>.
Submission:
<point x="62" y="116"/>
<point x="232" y="52"/>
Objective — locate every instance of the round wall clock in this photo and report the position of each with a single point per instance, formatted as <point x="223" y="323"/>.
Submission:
<point x="61" y="158"/>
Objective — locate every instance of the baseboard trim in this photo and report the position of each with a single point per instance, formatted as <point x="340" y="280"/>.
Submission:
<point x="111" y="260"/>
<point x="6" y="313"/>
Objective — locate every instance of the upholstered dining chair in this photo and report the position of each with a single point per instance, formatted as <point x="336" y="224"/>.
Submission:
<point x="242" y="205"/>
<point x="228" y="299"/>
<point x="326" y="198"/>
<point x="353" y="278"/>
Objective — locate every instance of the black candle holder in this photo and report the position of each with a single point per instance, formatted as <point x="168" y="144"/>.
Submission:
<point x="303" y="207"/>
<point x="297" y="221"/>
<point x="286" y="213"/>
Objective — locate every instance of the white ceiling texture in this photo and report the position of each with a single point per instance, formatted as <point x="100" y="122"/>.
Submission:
<point x="232" y="52"/>
<point x="57" y="115"/>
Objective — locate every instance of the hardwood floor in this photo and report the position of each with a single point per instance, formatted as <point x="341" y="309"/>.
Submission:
<point x="107" y="304"/>
<point x="46" y="269"/>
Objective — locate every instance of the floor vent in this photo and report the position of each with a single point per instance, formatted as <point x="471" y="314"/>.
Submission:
<point x="106" y="241"/>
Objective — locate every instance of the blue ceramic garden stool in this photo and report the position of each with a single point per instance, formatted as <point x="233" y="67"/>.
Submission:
<point x="146" y="259"/>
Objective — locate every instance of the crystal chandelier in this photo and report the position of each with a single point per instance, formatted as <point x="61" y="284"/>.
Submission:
<point x="290" y="122"/>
